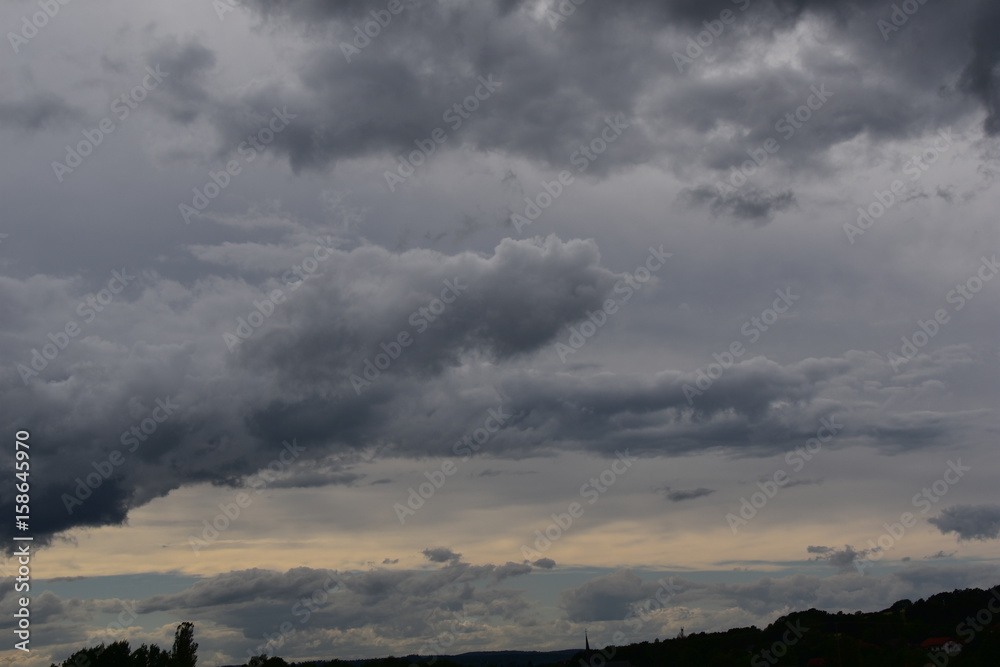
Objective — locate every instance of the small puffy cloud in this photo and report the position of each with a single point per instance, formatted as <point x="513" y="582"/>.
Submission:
<point x="441" y="555"/>
<point x="842" y="559"/>
<point x="686" y="494"/>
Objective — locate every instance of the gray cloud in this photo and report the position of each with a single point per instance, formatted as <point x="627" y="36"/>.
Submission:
<point x="307" y="372"/>
<point x="550" y="103"/>
<point x="969" y="522"/>
<point x="980" y="75"/>
<point x="606" y="598"/>
<point x="842" y="559"/>
<point x="752" y="204"/>
<point x="441" y="555"/>
<point x="688" y="494"/>
<point x="401" y="604"/>
<point x="37" y="111"/>
<point x="517" y="300"/>
<point x="185" y="93"/>
<point x="511" y="569"/>
<point x="611" y="597"/>
<point x="808" y="481"/>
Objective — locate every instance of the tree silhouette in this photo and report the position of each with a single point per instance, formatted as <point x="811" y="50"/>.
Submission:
<point x="184" y="653"/>
<point x="150" y="656"/>
<point x="263" y="660"/>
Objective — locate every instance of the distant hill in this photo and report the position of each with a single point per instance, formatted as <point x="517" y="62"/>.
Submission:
<point x="498" y="658"/>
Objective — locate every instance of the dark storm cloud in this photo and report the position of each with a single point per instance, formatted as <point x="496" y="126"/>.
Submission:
<point x="970" y="522"/>
<point x="500" y="307"/>
<point x="544" y="563"/>
<point x="503" y="306"/>
<point x="232" y="414"/>
<point x="687" y="494"/>
<point x="980" y="76"/>
<point x="559" y="84"/>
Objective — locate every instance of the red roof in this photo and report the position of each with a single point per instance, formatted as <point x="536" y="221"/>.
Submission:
<point x="935" y="641"/>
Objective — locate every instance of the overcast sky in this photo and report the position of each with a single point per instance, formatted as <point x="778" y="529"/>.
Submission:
<point x="365" y="325"/>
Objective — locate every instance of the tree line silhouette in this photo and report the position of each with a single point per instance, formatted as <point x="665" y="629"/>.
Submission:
<point x="184" y="653"/>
